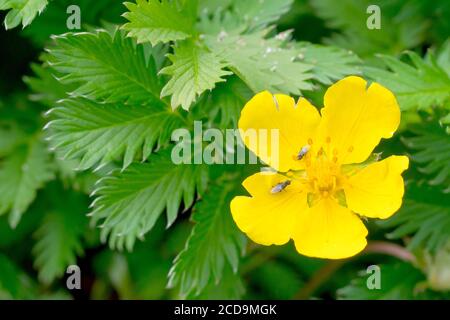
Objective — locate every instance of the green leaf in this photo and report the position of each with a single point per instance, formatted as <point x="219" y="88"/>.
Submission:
<point x="248" y="16"/>
<point x="263" y="64"/>
<point x="22" y="11"/>
<point x="22" y="173"/>
<point x="157" y="21"/>
<point x="105" y="67"/>
<point x="421" y="85"/>
<point x="98" y="133"/>
<point x="230" y="287"/>
<point x="128" y="203"/>
<point x="59" y="237"/>
<point x="329" y="63"/>
<point x="193" y="70"/>
<point x="443" y="57"/>
<point x="46" y="87"/>
<point x="258" y="14"/>
<point x="225" y="102"/>
<point x="55" y="17"/>
<point x="402" y="26"/>
<point x="398" y="282"/>
<point x="425" y="215"/>
<point x="214" y="242"/>
<point x="432" y="146"/>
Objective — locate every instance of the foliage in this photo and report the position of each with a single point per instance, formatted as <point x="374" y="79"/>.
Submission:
<point x="425" y="215"/>
<point x="91" y="120"/>
<point x="21" y="11"/>
<point x="399" y="282"/>
<point x="213" y="242"/>
<point x="422" y="86"/>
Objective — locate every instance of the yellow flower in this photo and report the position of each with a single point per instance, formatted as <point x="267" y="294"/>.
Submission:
<point x="326" y="175"/>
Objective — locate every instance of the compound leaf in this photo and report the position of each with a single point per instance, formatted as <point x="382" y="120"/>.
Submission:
<point x="157" y="21"/>
<point x="106" y="67"/>
<point x="214" y="242"/>
<point x="193" y="70"/>
<point x="98" y="133"/>
<point x="128" y="203"/>
<point x="22" y="173"/>
<point x="21" y="11"/>
<point x="421" y="85"/>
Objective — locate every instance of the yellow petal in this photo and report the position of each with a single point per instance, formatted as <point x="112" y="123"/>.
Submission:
<point x="328" y="230"/>
<point x="355" y="118"/>
<point x="296" y="124"/>
<point x="377" y="190"/>
<point x="268" y="218"/>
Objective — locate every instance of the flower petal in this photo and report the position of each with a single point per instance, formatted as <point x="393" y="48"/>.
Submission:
<point x="296" y="124"/>
<point x="355" y="118"/>
<point x="268" y="218"/>
<point x="328" y="230"/>
<point x="377" y="190"/>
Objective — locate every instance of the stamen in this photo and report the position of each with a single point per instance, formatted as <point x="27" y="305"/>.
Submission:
<point x="328" y="140"/>
<point x="310" y="142"/>
<point x="350" y="149"/>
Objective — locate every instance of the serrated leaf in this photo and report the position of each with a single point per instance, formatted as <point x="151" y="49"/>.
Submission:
<point x="214" y="242"/>
<point x="105" y="67"/>
<point x="59" y="238"/>
<point x="263" y="64"/>
<point x="194" y="69"/>
<point x="246" y="16"/>
<point x="22" y="173"/>
<point x="230" y="287"/>
<point x="21" y="11"/>
<point x="257" y="14"/>
<point x="443" y="57"/>
<point x="329" y="63"/>
<point x="157" y="21"/>
<point x="421" y="85"/>
<point x="431" y="150"/>
<point x="54" y="18"/>
<point x="128" y="203"/>
<point x="98" y="133"/>
<point x="425" y="215"/>
<point x="47" y="89"/>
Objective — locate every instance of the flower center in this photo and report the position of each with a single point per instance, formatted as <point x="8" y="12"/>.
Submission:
<point x="323" y="175"/>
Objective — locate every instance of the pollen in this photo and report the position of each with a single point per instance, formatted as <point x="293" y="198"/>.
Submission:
<point x="323" y="175"/>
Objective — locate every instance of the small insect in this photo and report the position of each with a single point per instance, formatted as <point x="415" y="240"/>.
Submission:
<point x="303" y="151"/>
<point x="280" y="186"/>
